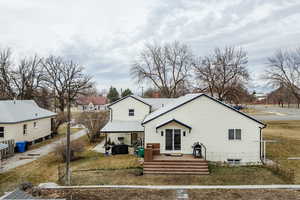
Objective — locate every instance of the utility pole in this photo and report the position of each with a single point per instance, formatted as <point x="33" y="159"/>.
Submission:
<point x="68" y="150"/>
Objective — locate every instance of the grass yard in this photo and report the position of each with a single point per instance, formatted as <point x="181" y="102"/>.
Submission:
<point x="95" y="168"/>
<point x="287" y="135"/>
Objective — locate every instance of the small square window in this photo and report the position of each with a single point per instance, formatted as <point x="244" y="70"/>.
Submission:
<point x="131" y="112"/>
<point x="1" y="131"/>
<point x="234" y="161"/>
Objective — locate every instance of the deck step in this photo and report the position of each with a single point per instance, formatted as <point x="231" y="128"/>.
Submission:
<point x="175" y="163"/>
<point x="175" y="170"/>
<point x="177" y="173"/>
<point x="177" y="166"/>
<point x="183" y="160"/>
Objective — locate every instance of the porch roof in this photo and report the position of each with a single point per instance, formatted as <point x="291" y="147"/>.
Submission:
<point x="116" y="126"/>
<point x="173" y="120"/>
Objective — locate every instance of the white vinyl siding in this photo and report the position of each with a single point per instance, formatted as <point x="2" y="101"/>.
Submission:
<point x="210" y="122"/>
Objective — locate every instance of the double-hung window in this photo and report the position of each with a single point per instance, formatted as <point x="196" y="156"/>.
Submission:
<point x="24" y="129"/>
<point x="234" y="134"/>
<point x="1" y="132"/>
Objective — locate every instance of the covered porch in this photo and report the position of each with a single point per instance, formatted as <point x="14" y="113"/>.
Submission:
<point x="124" y="132"/>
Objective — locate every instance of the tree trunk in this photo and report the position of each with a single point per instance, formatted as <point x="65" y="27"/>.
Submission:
<point x="68" y="173"/>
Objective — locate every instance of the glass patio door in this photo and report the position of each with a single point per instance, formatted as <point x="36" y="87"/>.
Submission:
<point x="173" y="139"/>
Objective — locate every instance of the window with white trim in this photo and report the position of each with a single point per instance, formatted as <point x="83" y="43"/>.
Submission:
<point x="24" y="129"/>
<point x="234" y="161"/>
<point x="1" y="132"/>
<point x="234" y="134"/>
<point x="131" y="112"/>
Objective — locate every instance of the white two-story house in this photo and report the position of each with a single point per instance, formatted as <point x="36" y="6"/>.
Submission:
<point x="227" y="134"/>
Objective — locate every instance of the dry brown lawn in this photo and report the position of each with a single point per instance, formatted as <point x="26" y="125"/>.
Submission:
<point x="287" y="137"/>
<point x="287" y="129"/>
<point x="244" y="194"/>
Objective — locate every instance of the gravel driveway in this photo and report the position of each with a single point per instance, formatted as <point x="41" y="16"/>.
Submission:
<point x="276" y="113"/>
<point x="16" y="160"/>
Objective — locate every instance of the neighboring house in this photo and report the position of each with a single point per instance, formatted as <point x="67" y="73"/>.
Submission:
<point x="227" y="134"/>
<point x="24" y="120"/>
<point x="92" y="103"/>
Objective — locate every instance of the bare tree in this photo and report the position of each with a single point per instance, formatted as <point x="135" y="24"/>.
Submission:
<point x="27" y="77"/>
<point x="222" y="71"/>
<point x="166" y="67"/>
<point x="6" y="90"/>
<point x="283" y="69"/>
<point x="94" y="122"/>
<point x="68" y="81"/>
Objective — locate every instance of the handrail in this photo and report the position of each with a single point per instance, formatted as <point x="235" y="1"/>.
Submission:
<point x="202" y="145"/>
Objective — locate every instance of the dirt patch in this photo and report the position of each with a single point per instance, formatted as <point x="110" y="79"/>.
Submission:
<point x="103" y="194"/>
<point x="244" y="194"/>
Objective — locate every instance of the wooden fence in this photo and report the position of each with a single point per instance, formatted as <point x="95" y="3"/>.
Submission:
<point x="8" y="152"/>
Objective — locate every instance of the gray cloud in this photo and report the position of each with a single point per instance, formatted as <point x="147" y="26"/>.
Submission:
<point x="106" y="37"/>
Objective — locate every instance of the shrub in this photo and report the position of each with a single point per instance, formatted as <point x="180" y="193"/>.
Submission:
<point x="75" y="146"/>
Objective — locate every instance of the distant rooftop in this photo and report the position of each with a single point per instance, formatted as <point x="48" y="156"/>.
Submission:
<point x="96" y="100"/>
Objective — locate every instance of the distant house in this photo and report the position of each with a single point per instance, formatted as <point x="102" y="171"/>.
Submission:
<point x="92" y="103"/>
<point x="175" y="125"/>
<point x="24" y="120"/>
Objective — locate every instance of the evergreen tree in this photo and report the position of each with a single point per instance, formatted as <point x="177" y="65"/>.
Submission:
<point x="126" y="92"/>
<point x="113" y="94"/>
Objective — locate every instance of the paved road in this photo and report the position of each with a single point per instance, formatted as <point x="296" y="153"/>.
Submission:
<point x="276" y="113"/>
<point x="15" y="161"/>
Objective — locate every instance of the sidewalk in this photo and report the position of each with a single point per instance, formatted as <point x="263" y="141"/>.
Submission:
<point x="177" y="187"/>
<point x="15" y="161"/>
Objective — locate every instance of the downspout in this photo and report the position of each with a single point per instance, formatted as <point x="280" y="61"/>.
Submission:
<point x="260" y="143"/>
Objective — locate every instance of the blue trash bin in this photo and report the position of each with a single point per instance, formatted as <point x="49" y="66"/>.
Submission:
<point x="21" y="146"/>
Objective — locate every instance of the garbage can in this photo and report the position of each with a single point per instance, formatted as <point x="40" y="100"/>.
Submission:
<point x="21" y="146"/>
<point x="141" y="152"/>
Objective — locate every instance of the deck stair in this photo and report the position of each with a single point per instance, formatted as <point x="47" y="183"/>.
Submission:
<point x="177" y="166"/>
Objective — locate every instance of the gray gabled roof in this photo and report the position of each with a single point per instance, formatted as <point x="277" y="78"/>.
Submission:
<point x="185" y="99"/>
<point x="14" y="111"/>
<point x="117" y="126"/>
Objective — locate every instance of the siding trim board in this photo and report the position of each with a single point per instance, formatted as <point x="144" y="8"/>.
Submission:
<point x="215" y="100"/>
<point x="131" y="97"/>
<point x="29" y="120"/>
<point x="176" y="121"/>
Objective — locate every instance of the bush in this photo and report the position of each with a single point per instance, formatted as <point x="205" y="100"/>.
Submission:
<point x="75" y="146"/>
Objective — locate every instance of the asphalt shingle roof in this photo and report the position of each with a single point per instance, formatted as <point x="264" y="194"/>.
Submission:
<point x="21" y="110"/>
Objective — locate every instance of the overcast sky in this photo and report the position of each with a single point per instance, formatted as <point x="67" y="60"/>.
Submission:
<point x="106" y="36"/>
